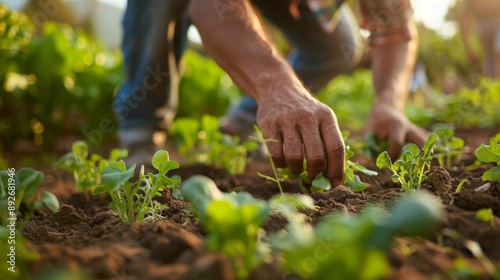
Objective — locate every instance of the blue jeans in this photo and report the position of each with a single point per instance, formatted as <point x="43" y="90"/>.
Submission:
<point x="317" y="56"/>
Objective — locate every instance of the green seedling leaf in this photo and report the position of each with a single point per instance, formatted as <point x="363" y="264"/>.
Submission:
<point x="80" y="149"/>
<point x="321" y="183"/>
<point x="113" y="178"/>
<point x="161" y="162"/>
<point x="353" y="181"/>
<point x="28" y="180"/>
<point x="429" y="144"/>
<point x="489" y="153"/>
<point x="117" y="154"/>
<point x="384" y="160"/>
<point x="50" y="201"/>
<point x="200" y="190"/>
<point x="485" y="215"/>
<point x="492" y="175"/>
<point x="410" y="151"/>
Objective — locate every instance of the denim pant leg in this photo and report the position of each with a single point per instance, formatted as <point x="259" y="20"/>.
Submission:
<point x="317" y="56"/>
<point x="146" y="50"/>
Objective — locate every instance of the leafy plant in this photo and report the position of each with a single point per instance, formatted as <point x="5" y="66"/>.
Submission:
<point x="87" y="170"/>
<point x="354" y="247"/>
<point x="134" y="201"/>
<point x="233" y="221"/>
<point x="23" y="185"/>
<point x="352" y="180"/>
<point x="57" y="82"/>
<point x="20" y="187"/>
<point x="448" y="147"/>
<point x="490" y="154"/>
<point x="202" y="142"/>
<point x="485" y="215"/>
<point x="410" y="167"/>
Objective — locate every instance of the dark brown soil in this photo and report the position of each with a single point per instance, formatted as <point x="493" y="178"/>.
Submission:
<point x="85" y="236"/>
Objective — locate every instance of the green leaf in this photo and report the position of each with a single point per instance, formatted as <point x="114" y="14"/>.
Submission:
<point x="117" y="154"/>
<point x="113" y="178"/>
<point x="362" y="169"/>
<point x="485" y="215"/>
<point x="28" y="180"/>
<point x="492" y="175"/>
<point x="489" y="153"/>
<point x="161" y="162"/>
<point x="353" y="181"/>
<point x="384" y="160"/>
<point x="412" y="150"/>
<point x="200" y="190"/>
<point x="429" y="144"/>
<point x="321" y="182"/>
<point x="50" y="201"/>
<point x="416" y="215"/>
<point x="80" y="149"/>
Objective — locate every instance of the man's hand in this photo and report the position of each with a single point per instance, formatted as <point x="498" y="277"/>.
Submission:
<point x="304" y="128"/>
<point x="388" y="123"/>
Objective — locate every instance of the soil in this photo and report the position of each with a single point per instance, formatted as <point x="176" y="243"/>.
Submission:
<point x="86" y="237"/>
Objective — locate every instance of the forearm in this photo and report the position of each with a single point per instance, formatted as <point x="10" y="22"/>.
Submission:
<point x="392" y="70"/>
<point x="236" y="40"/>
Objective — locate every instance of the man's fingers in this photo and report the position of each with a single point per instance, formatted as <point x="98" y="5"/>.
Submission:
<point x="294" y="155"/>
<point x="276" y="149"/>
<point x="417" y="135"/>
<point x="315" y="151"/>
<point x="334" y="150"/>
<point x="396" y="142"/>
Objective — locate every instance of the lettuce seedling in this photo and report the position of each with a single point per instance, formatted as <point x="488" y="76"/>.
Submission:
<point x="234" y="221"/>
<point x="490" y="154"/>
<point x="410" y="167"/>
<point x="449" y="147"/>
<point x="86" y="170"/>
<point x="354" y="247"/>
<point x="133" y="201"/>
<point x="202" y="142"/>
<point x="22" y="187"/>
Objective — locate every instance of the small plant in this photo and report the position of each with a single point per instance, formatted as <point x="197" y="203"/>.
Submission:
<point x="20" y="187"/>
<point x="354" y="247"/>
<point x="449" y="147"/>
<point x="490" y="154"/>
<point x="352" y="180"/>
<point x="410" y="167"/>
<point x="234" y="221"/>
<point x="134" y="201"/>
<point x="320" y="183"/>
<point x="202" y="142"/>
<point x="87" y="170"/>
<point x="485" y="215"/>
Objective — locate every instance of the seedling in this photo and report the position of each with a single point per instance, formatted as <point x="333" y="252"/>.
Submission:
<point x="352" y="180"/>
<point x="134" y="201"/>
<point x="320" y="183"/>
<point x="410" y="167"/>
<point x="354" y="247"/>
<point x="485" y="215"/>
<point x="490" y="154"/>
<point x="86" y="170"/>
<point x="234" y="221"/>
<point x="202" y="142"/>
<point x="449" y="147"/>
<point x="259" y="138"/>
<point x="22" y="187"/>
<point x="461" y="185"/>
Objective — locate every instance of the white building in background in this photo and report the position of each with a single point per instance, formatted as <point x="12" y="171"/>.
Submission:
<point x="105" y="16"/>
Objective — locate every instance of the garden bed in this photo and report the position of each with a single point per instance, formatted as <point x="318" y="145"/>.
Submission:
<point x="85" y="236"/>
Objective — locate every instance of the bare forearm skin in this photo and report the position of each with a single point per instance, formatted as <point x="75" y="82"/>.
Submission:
<point x="392" y="67"/>
<point x="234" y="37"/>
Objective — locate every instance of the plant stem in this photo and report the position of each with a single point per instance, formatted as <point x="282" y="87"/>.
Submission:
<point x="461" y="184"/>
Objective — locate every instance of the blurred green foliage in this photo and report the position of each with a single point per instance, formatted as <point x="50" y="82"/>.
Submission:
<point x="59" y="82"/>
<point x="204" y="88"/>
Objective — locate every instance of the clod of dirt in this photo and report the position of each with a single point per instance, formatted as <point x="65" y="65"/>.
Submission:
<point x="475" y="200"/>
<point x="439" y="178"/>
